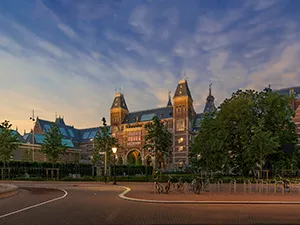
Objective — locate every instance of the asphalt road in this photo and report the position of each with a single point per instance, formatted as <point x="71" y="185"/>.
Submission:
<point x="100" y="204"/>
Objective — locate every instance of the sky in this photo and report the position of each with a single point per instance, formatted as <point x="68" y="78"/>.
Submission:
<point x="69" y="56"/>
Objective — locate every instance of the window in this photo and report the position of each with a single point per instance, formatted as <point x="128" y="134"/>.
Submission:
<point x="180" y="140"/>
<point x="134" y="136"/>
<point x="180" y="164"/>
<point x="180" y="125"/>
<point x="71" y="133"/>
<point x="85" y="135"/>
<point x="93" y="134"/>
<point x="147" y="117"/>
<point x="63" y="131"/>
<point x="47" y="127"/>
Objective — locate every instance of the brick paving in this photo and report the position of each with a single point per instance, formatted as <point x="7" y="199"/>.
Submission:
<point x="146" y="191"/>
<point x="94" y="204"/>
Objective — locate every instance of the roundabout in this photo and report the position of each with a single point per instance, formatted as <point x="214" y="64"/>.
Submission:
<point x="100" y="203"/>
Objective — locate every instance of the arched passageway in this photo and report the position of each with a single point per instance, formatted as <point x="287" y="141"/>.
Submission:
<point x="134" y="158"/>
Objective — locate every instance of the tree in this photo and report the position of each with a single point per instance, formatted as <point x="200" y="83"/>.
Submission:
<point x="207" y="151"/>
<point x="159" y="139"/>
<point x="8" y="142"/>
<point x="104" y="143"/>
<point x="267" y="112"/>
<point x="262" y="144"/>
<point x="52" y="144"/>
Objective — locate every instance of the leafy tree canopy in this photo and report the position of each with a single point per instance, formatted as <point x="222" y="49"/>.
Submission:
<point x="104" y="142"/>
<point x="158" y="138"/>
<point x="52" y="144"/>
<point x="249" y="126"/>
<point x="8" y="141"/>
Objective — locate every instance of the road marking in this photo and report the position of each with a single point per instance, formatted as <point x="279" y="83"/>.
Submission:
<point x="127" y="189"/>
<point x="37" y="205"/>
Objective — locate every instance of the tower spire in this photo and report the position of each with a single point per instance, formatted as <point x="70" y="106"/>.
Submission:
<point x="170" y="100"/>
<point x="210" y="102"/>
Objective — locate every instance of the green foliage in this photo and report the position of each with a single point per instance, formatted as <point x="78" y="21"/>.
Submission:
<point x="207" y="152"/>
<point x="52" y="145"/>
<point x="158" y="139"/>
<point x="104" y="143"/>
<point x="248" y="129"/>
<point x="262" y="144"/>
<point x="8" y="141"/>
<point x="27" y="156"/>
<point x="131" y="170"/>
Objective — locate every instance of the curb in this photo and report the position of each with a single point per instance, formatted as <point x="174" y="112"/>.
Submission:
<point x="127" y="189"/>
<point x="11" y="190"/>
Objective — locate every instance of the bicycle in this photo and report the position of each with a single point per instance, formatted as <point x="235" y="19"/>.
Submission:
<point x="158" y="188"/>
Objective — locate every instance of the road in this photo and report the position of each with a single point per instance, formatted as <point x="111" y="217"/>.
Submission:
<point x="91" y="203"/>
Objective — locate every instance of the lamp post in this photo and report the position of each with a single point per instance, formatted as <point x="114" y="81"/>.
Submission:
<point x="32" y="119"/>
<point x="114" y="150"/>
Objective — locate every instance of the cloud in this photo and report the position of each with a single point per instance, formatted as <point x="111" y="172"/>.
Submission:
<point x="67" y="30"/>
<point x="72" y="58"/>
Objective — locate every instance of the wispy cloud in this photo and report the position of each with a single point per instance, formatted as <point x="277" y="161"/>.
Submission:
<point x="69" y="56"/>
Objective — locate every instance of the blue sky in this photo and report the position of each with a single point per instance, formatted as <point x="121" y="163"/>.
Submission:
<point x="69" y="56"/>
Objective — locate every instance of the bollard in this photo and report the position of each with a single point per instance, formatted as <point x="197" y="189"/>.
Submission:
<point x="267" y="187"/>
<point x="220" y="185"/>
<point x="245" y="188"/>
<point x="232" y="184"/>
<point x="249" y="185"/>
<point x="275" y="187"/>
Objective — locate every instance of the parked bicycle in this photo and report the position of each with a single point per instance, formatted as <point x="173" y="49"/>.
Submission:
<point x="199" y="185"/>
<point x="173" y="185"/>
<point x="158" y="187"/>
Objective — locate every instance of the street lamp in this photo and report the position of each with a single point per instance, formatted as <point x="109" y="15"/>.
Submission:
<point x="114" y="150"/>
<point x="33" y="120"/>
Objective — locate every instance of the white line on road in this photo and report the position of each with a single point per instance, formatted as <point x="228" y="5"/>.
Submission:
<point x="37" y="205"/>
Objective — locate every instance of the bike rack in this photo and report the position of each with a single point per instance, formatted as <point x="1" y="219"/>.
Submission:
<point x="247" y="186"/>
<point x="281" y="185"/>
<point x="219" y="185"/>
<point x="232" y="185"/>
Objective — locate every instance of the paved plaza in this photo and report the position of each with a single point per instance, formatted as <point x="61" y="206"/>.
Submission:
<point x="146" y="191"/>
<point x="98" y="203"/>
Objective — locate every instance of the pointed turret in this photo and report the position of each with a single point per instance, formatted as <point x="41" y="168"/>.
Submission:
<point x="119" y="102"/>
<point x="170" y="100"/>
<point x="183" y="89"/>
<point x="210" y="102"/>
<point x="60" y="120"/>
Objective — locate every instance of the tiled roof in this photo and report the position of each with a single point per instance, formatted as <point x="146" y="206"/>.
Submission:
<point x="69" y="132"/>
<point x="197" y="120"/>
<point x="286" y="91"/>
<point x="19" y="136"/>
<point x="119" y="102"/>
<point x="39" y="138"/>
<point x="182" y="89"/>
<point x="147" y="115"/>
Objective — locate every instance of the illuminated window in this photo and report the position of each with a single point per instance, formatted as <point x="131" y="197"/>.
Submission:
<point x="180" y="164"/>
<point x="180" y="125"/>
<point x="134" y="136"/>
<point x="180" y="148"/>
<point x="180" y="140"/>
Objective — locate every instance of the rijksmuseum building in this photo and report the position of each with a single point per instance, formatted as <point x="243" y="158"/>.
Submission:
<point x="129" y="128"/>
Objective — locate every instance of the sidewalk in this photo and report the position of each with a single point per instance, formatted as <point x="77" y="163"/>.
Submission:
<point x="146" y="191"/>
<point x="7" y="190"/>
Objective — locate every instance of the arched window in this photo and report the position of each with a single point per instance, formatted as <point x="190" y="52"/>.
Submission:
<point x="180" y="125"/>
